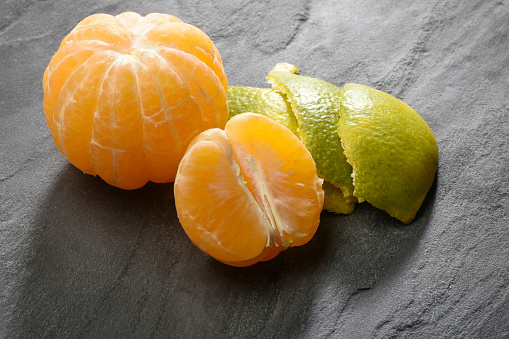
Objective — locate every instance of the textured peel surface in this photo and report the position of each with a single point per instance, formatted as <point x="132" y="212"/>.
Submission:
<point x="315" y="104"/>
<point x="310" y="108"/>
<point x="262" y="101"/>
<point x="392" y="150"/>
<point x="367" y="145"/>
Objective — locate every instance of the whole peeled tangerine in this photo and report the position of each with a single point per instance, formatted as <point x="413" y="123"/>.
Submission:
<point x="124" y="95"/>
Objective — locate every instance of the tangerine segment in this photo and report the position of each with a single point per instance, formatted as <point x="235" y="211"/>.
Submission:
<point x="215" y="208"/>
<point x="248" y="192"/>
<point x="100" y="27"/>
<point x="124" y="95"/>
<point x="71" y="125"/>
<point x="191" y="40"/>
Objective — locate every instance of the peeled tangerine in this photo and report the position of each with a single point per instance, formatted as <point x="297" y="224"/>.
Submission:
<point x="124" y="95"/>
<point x="246" y="193"/>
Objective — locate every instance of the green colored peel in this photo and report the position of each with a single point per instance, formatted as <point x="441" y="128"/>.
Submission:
<point x="356" y="132"/>
<point x="392" y="150"/>
<point x="273" y="105"/>
<point x="315" y="104"/>
<point x="334" y="201"/>
<point x="291" y="103"/>
<point x="263" y="101"/>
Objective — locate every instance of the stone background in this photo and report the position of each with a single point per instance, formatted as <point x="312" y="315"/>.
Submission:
<point x="79" y="258"/>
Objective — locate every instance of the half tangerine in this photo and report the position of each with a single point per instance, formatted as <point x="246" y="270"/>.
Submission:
<point x="246" y="193"/>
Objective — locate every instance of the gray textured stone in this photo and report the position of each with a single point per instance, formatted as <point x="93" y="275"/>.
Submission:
<point x="79" y="258"/>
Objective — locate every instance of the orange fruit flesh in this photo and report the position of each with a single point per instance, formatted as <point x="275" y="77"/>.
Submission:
<point x="124" y="95"/>
<point x="280" y="173"/>
<point x="246" y="193"/>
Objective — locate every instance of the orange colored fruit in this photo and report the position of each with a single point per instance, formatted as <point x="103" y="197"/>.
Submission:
<point x="124" y="95"/>
<point x="246" y="193"/>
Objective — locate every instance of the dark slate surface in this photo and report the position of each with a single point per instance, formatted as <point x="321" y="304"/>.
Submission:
<point x="79" y="258"/>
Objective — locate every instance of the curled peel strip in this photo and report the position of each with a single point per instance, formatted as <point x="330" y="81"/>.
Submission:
<point x="367" y="145"/>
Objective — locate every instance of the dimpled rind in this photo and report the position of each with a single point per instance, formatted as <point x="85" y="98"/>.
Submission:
<point x="262" y="101"/>
<point x="316" y="106"/>
<point x="274" y="105"/>
<point x="392" y="150"/>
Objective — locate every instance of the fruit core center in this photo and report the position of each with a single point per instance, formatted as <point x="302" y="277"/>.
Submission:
<point x="133" y="50"/>
<point x="266" y="202"/>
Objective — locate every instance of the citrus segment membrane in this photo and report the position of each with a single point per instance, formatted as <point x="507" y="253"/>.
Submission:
<point x="248" y="192"/>
<point x="393" y="152"/>
<point x="280" y="173"/>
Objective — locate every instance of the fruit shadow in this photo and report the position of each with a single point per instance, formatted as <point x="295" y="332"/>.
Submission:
<point x="361" y="248"/>
<point x="91" y="246"/>
<point x="104" y="261"/>
<point x="348" y="254"/>
<point x="371" y="246"/>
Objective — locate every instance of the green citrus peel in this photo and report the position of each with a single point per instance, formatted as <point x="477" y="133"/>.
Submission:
<point x="367" y="145"/>
<point x="392" y="150"/>
<point x="262" y="101"/>
<point x="334" y="200"/>
<point x="309" y="107"/>
<point x="316" y="106"/>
